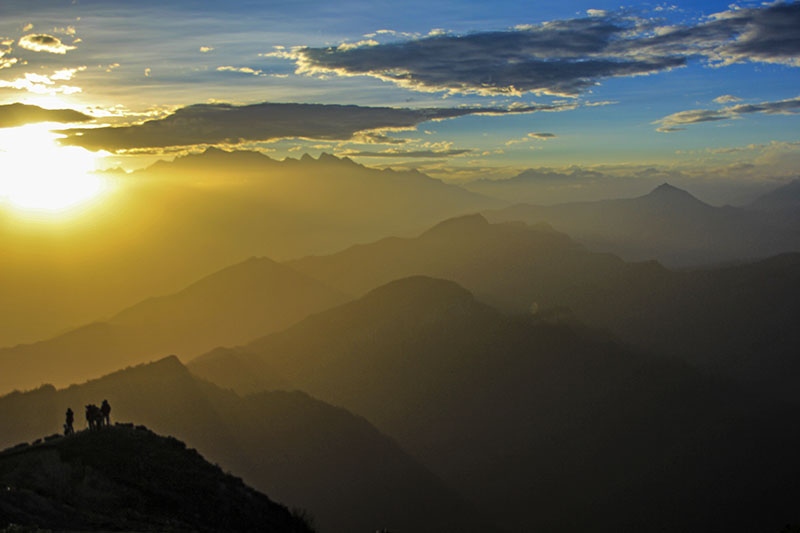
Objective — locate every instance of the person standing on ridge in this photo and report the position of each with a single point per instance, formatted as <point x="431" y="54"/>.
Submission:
<point x="68" y="430"/>
<point x="105" y="409"/>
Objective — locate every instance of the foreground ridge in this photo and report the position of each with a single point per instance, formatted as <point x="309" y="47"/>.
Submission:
<point x="126" y="477"/>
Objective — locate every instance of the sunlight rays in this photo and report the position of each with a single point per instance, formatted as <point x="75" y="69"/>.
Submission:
<point x="38" y="176"/>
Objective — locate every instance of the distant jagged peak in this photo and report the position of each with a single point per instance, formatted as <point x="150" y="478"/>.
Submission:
<point x="464" y="223"/>
<point x="215" y="156"/>
<point x="323" y="158"/>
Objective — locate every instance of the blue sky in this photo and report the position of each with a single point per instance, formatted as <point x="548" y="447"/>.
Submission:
<point x="124" y="62"/>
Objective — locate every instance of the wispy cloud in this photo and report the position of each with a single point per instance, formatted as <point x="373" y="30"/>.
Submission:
<point x="241" y="70"/>
<point x="533" y="136"/>
<point x="45" y="84"/>
<point x="411" y="154"/>
<point x="726" y="99"/>
<point x="694" y="116"/>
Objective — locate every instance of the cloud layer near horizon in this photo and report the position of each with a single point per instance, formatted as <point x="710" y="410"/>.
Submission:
<point x="12" y="115"/>
<point x="226" y="123"/>
<point x="562" y="57"/>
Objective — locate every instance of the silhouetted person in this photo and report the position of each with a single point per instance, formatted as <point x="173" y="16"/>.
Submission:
<point x="105" y="410"/>
<point x="90" y="416"/>
<point x="68" y="430"/>
<point x="94" y="416"/>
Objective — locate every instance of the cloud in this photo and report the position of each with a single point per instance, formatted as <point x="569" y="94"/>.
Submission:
<point x="535" y="136"/>
<point x="726" y="99"/>
<point x="561" y="57"/>
<point x="759" y="34"/>
<point x="376" y="137"/>
<point x="781" y="107"/>
<point x="231" y="124"/>
<point x="68" y="30"/>
<point x="43" y="84"/>
<point x="669" y="129"/>
<point x="42" y="42"/>
<point x="12" y="115"/>
<point x="242" y="70"/>
<point x="694" y="116"/>
<point x="410" y="153"/>
<point x="789" y="106"/>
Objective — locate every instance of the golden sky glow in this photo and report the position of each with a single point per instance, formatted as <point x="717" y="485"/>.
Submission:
<point x="39" y="176"/>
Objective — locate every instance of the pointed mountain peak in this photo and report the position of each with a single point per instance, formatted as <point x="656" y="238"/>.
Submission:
<point x="669" y="193"/>
<point x="459" y="225"/>
<point x="161" y="370"/>
<point x="325" y="156"/>
<point x="666" y="188"/>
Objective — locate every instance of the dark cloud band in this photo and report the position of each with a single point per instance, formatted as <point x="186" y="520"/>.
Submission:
<point x="226" y="123"/>
<point x="12" y="115"/>
<point x="564" y="57"/>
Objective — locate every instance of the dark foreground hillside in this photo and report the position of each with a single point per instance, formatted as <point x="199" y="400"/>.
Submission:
<point x="300" y="451"/>
<point x="126" y="478"/>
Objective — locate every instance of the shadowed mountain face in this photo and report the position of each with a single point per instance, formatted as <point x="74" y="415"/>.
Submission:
<point x="509" y="265"/>
<point x="298" y="450"/>
<point x="669" y="225"/>
<point x="734" y="321"/>
<point x="199" y="214"/>
<point x="132" y="480"/>
<point x="229" y="307"/>
<point x="546" y="424"/>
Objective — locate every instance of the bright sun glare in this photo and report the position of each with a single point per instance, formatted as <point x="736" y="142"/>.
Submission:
<point x="39" y="175"/>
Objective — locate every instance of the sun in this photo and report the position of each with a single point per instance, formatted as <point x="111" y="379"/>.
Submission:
<point x="36" y="174"/>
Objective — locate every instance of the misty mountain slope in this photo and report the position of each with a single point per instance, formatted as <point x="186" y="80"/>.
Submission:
<point x="734" y="321"/>
<point x="299" y="450"/>
<point x="667" y="224"/>
<point x="133" y="480"/>
<point x="737" y="321"/>
<point x="231" y="306"/>
<point x="510" y="265"/>
<point x="160" y="227"/>
<point x="547" y="424"/>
